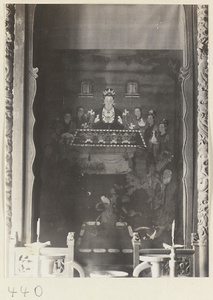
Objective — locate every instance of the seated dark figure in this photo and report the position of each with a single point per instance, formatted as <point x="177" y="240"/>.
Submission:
<point x="65" y="128"/>
<point x="150" y="137"/>
<point x="80" y="119"/>
<point x="66" y="125"/>
<point x="108" y="117"/>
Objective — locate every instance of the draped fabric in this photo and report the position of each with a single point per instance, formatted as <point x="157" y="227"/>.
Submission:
<point x="111" y="163"/>
<point x="114" y="163"/>
<point x="111" y="26"/>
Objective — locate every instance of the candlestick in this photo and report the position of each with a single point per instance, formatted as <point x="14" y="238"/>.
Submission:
<point x="38" y="229"/>
<point x="173" y="232"/>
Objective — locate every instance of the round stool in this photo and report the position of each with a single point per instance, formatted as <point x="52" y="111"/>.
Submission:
<point x="155" y="262"/>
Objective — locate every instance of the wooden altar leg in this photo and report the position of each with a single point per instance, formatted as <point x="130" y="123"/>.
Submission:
<point x="136" y="242"/>
<point x="203" y="260"/>
<point x="156" y="269"/>
<point x="70" y="256"/>
<point x="135" y="255"/>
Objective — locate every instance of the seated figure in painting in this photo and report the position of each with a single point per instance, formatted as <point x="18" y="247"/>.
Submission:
<point x="80" y="120"/>
<point x="108" y="117"/>
<point x="163" y="136"/>
<point x="150" y="137"/>
<point x="164" y="155"/>
<point x="150" y="134"/>
<point x="136" y="121"/>
<point x="65" y="128"/>
<point x="66" y="125"/>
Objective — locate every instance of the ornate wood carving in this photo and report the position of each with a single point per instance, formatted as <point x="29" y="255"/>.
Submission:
<point x="184" y="267"/>
<point x="9" y="59"/>
<point x="194" y="238"/>
<point x="202" y="121"/>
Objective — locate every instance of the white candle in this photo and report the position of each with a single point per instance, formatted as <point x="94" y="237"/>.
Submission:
<point x="38" y="227"/>
<point x="173" y="230"/>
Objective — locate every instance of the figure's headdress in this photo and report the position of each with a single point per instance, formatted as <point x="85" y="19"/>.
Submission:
<point x="165" y="122"/>
<point x="138" y="107"/>
<point x="67" y="111"/>
<point x="109" y="92"/>
<point x="152" y="113"/>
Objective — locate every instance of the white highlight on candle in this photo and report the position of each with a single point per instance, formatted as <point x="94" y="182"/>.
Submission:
<point x="38" y="228"/>
<point x="173" y="231"/>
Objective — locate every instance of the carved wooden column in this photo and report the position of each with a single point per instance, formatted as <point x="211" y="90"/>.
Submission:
<point x="203" y="207"/>
<point x="9" y="59"/>
<point x="186" y="79"/>
<point x="30" y="92"/>
<point x="20" y="77"/>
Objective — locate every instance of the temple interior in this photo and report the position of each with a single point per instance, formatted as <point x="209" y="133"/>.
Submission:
<point x="112" y="176"/>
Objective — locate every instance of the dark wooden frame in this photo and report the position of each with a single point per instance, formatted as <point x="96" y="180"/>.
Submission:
<point x="19" y="185"/>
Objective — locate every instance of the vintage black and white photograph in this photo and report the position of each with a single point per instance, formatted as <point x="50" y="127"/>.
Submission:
<point x="106" y="141"/>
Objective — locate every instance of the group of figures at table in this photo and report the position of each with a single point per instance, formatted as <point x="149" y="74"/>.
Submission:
<point x="156" y="137"/>
<point x="150" y="176"/>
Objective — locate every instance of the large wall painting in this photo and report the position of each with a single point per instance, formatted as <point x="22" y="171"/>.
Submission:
<point x="111" y="158"/>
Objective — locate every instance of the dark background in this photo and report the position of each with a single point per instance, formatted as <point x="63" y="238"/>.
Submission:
<point x="60" y="191"/>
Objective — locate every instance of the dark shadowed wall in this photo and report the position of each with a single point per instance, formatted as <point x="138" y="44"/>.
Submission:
<point x="110" y="26"/>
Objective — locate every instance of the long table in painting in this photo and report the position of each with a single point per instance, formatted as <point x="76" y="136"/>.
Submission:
<point x="108" y="138"/>
<point x="103" y="151"/>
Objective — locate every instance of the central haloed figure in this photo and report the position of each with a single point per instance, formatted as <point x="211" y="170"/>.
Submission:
<point x="108" y="117"/>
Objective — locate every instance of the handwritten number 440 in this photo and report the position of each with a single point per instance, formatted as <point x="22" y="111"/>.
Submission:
<point x="37" y="291"/>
